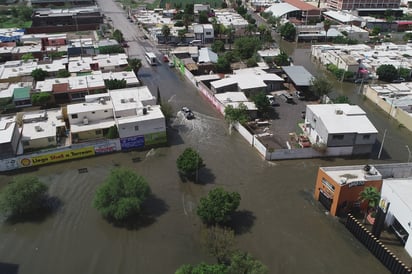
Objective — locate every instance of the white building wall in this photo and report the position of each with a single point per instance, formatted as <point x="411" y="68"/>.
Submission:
<point x="143" y="127"/>
<point x="401" y="211"/>
<point x="98" y="115"/>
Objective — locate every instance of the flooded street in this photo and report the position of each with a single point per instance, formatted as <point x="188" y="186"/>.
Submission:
<point x="278" y="220"/>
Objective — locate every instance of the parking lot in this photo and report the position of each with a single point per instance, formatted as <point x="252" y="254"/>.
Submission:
<point x="284" y="120"/>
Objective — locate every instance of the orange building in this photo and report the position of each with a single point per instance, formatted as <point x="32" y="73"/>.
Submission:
<point x="338" y="188"/>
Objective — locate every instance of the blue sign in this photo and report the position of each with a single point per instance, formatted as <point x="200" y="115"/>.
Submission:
<point x="132" y="142"/>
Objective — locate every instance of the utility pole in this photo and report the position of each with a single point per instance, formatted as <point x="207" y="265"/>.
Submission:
<point x="383" y="141"/>
<point x="410" y="154"/>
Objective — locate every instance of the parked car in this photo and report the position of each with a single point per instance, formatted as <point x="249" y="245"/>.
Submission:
<point x="188" y="113"/>
<point x="171" y="64"/>
<point x="165" y="58"/>
<point x="287" y="98"/>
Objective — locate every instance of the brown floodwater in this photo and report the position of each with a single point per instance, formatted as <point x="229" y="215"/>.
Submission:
<point x="278" y="220"/>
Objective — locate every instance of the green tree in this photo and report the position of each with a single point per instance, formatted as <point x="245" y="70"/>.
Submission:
<point x="387" y="72"/>
<point x="181" y="33"/>
<point x="23" y="196"/>
<point x="118" y="36"/>
<point x="342" y="99"/>
<point x="202" y="268"/>
<point x="238" y="114"/>
<point x="246" y="47"/>
<point x="121" y="195"/>
<point x="218" y="46"/>
<point x="39" y="75"/>
<point x="251" y="62"/>
<point x="243" y="262"/>
<point x="203" y="17"/>
<point x="166" y="32"/>
<point x="135" y="64"/>
<point x="63" y="73"/>
<point x="320" y="86"/>
<point x="370" y="195"/>
<point x="282" y="59"/>
<point x="218" y="242"/>
<point x="115" y="83"/>
<point x="111" y="49"/>
<point x="112" y="133"/>
<point x="218" y="206"/>
<point x="262" y="103"/>
<point x="27" y="56"/>
<point x="189" y="162"/>
<point x="405" y="73"/>
<point x="40" y="98"/>
<point x="326" y="26"/>
<point x="222" y="65"/>
<point x="288" y="31"/>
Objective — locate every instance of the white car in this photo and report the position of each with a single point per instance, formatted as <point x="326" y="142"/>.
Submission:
<point x="188" y="113"/>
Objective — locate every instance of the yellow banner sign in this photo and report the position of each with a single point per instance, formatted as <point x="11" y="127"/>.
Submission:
<point x="57" y="157"/>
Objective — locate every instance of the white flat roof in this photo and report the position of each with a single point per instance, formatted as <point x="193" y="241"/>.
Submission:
<point x="129" y="76"/>
<point x="247" y="79"/>
<point x="280" y="9"/>
<point x="403" y="189"/>
<point x="347" y="174"/>
<point x="228" y="97"/>
<point x="88" y="106"/>
<point x="42" y="129"/>
<point x="353" y="118"/>
<point x="125" y="99"/>
<point x="153" y="112"/>
<point x="7" y="125"/>
<point x="141" y="94"/>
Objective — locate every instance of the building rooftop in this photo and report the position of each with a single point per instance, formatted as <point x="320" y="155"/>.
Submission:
<point x="7" y="126"/>
<point x="90" y="106"/>
<point x="153" y="112"/>
<point x="92" y="125"/>
<point x="402" y="187"/>
<point x="352" y="175"/>
<point x="41" y="124"/>
<point x="299" y="75"/>
<point x="129" y="76"/>
<point x="343" y="118"/>
<point x="342" y="16"/>
<point x="280" y="9"/>
<point x="141" y="94"/>
<point x="206" y="55"/>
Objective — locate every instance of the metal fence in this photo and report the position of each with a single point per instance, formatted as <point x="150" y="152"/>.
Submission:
<point x="376" y="247"/>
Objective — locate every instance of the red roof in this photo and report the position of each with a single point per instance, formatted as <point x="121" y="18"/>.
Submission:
<point x="301" y="5"/>
<point x="404" y="23"/>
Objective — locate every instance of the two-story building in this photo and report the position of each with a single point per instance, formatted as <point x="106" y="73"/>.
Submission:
<point x="9" y="137"/>
<point x="139" y="120"/>
<point x="340" y="125"/>
<point x="204" y="33"/>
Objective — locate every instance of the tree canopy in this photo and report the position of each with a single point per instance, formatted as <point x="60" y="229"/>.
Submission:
<point x="115" y="83"/>
<point x="262" y="103"/>
<point x="387" y="72"/>
<point x="118" y="36"/>
<point x="135" y="64"/>
<point x="243" y="262"/>
<point x="23" y="196"/>
<point x="189" y="162"/>
<point x="218" y="206"/>
<point x="39" y="75"/>
<point x="320" y="86"/>
<point x="370" y="195"/>
<point x="63" y="73"/>
<point x="238" y="114"/>
<point x="121" y="195"/>
<point x="166" y="32"/>
<point x="246" y="47"/>
<point x="288" y="31"/>
<point x="219" y="242"/>
<point x="40" y="98"/>
<point x="202" y="268"/>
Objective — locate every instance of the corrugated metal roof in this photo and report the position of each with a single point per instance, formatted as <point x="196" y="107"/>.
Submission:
<point x="21" y="93"/>
<point x="299" y="75"/>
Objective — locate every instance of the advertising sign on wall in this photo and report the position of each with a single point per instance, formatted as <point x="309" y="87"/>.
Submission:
<point x="107" y="147"/>
<point x="132" y="142"/>
<point x="56" y="157"/>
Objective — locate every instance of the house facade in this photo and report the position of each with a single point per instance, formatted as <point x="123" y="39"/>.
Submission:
<point x="340" y="125"/>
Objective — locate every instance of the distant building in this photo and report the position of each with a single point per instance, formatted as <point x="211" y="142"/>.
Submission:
<point x="358" y="4"/>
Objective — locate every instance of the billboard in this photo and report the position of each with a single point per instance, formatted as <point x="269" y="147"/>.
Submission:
<point x="132" y="142"/>
<point x="56" y="157"/>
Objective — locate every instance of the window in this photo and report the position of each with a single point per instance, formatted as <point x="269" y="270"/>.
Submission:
<point x="93" y="112"/>
<point x="50" y="139"/>
<point x="25" y="143"/>
<point x="208" y="33"/>
<point x="366" y="137"/>
<point x="75" y="136"/>
<point x="74" y="116"/>
<point x="98" y="132"/>
<point x="338" y="137"/>
<point x="136" y="128"/>
<point x="105" y="110"/>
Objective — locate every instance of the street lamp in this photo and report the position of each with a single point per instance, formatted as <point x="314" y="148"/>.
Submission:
<point x="410" y="154"/>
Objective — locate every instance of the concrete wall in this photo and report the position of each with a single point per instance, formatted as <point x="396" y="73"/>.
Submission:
<point x="98" y="115"/>
<point x="402" y="116"/>
<point x="40" y="143"/>
<point x="245" y="133"/>
<point x="143" y="127"/>
<point x="305" y="153"/>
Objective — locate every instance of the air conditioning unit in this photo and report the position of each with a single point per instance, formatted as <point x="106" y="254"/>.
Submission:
<point x="338" y="112"/>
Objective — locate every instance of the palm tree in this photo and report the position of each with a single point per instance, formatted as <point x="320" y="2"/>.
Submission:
<point x="326" y="26"/>
<point x="371" y="195"/>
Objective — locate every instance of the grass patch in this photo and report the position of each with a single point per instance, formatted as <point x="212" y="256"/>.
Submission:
<point x="15" y="22"/>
